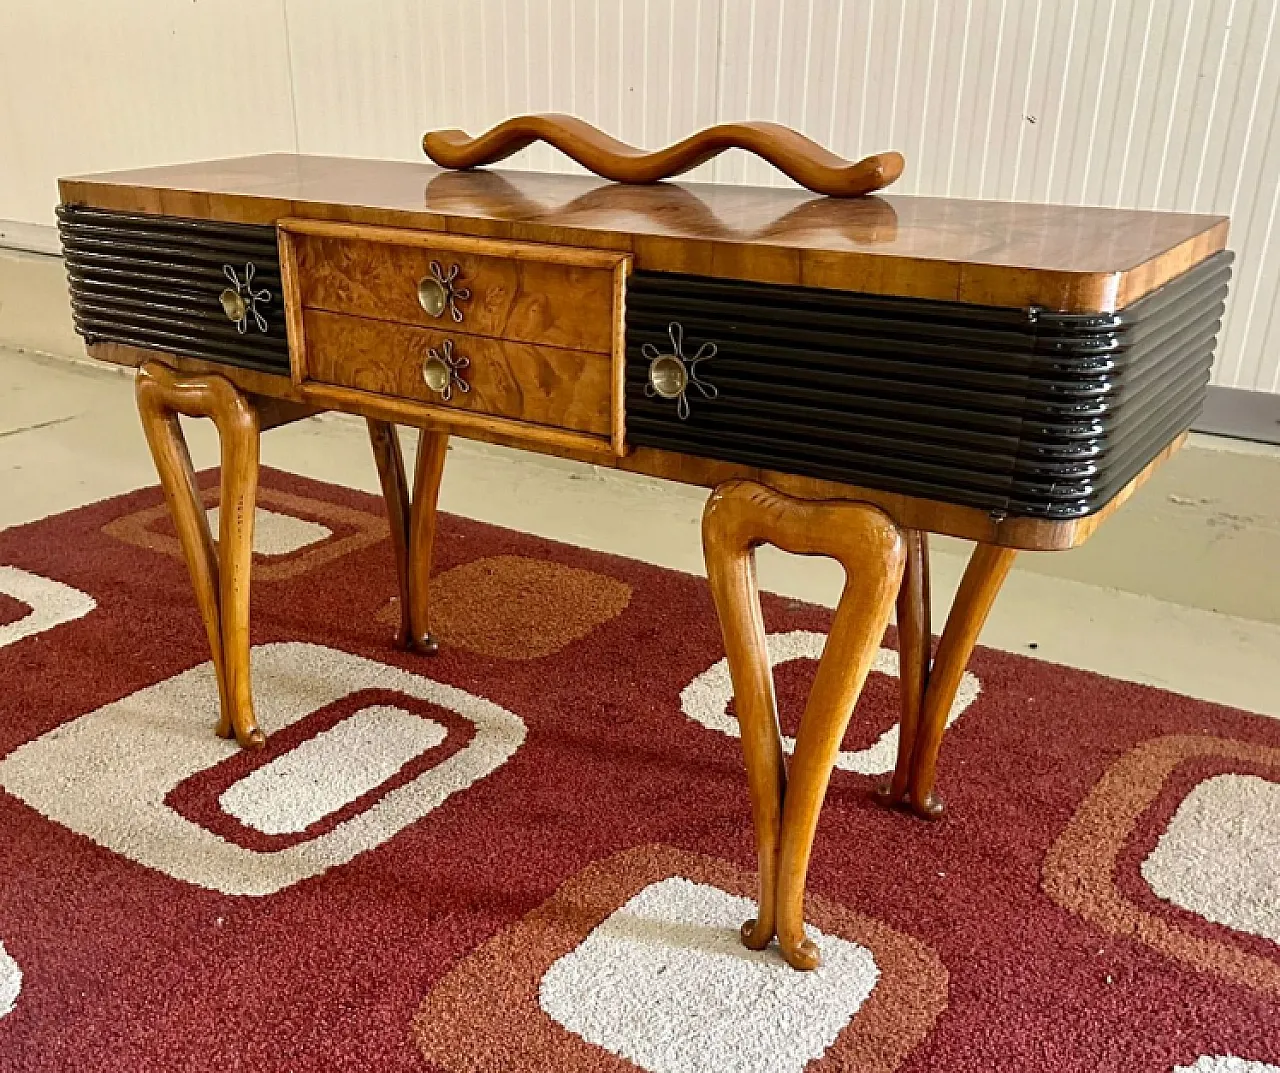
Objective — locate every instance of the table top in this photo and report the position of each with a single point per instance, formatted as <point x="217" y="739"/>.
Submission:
<point x="1072" y="259"/>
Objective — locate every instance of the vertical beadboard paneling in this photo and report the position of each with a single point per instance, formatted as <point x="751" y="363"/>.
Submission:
<point x="1171" y="104"/>
<point x="910" y="55"/>
<point x="691" y="99"/>
<point x="951" y="119"/>
<point x="737" y="42"/>
<point x="771" y="51"/>
<point x="90" y="87"/>
<point x="986" y="28"/>
<point x="608" y="72"/>
<point x="1202" y="116"/>
<point x="1243" y="188"/>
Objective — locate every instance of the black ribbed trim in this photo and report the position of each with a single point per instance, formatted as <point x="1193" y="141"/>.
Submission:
<point x="1018" y="411"/>
<point x="154" y="281"/>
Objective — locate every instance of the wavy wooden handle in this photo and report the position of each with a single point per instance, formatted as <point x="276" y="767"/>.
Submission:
<point x="803" y="160"/>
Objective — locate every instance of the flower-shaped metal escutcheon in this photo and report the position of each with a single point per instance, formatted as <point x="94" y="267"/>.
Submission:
<point x="442" y="371"/>
<point x="440" y="291"/>
<point x="240" y="300"/>
<point x="672" y="375"/>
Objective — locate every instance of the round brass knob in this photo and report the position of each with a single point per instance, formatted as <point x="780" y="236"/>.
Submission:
<point x="442" y="371"/>
<point x="436" y="373"/>
<point x="240" y="301"/>
<point x="432" y="296"/>
<point x="673" y="373"/>
<point x="441" y="290"/>
<point x="233" y="304"/>
<point x="668" y="376"/>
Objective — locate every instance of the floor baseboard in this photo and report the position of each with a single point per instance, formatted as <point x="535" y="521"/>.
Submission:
<point x="30" y="238"/>
<point x="1243" y="415"/>
<point x="35" y="313"/>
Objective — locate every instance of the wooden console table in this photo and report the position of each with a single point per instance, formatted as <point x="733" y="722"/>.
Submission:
<point x="849" y="375"/>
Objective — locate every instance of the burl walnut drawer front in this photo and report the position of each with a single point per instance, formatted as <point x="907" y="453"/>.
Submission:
<point x="485" y="335"/>
<point x="567" y="389"/>
<point x="549" y="295"/>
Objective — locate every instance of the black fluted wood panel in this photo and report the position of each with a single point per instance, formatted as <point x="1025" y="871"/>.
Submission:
<point x="1018" y="411"/>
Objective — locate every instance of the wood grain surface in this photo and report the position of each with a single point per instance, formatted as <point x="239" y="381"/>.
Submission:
<point x="800" y="158"/>
<point x="563" y="301"/>
<point x="983" y="577"/>
<point x="220" y="572"/>
<point x="387" y="456"/>
<point x="433" y="451"/>
<point x="786" y="801"/>
<point x="915" y="657"/>
<point x="570" y="389"/>
<point x="1072" y="259"/>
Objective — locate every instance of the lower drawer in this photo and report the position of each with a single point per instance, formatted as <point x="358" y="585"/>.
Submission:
<point x="534" y="385"/>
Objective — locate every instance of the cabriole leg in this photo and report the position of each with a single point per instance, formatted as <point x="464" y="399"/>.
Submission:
<point x="395" y="491"/>
<point x="988" y="567"/>
<point x="740" y="516"/>
<point x="220" y="575"/>
<point x="915" y="640"/>
<point x="413" y="525"/>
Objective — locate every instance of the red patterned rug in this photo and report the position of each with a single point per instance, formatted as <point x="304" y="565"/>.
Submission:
<point x="532" y="852"/>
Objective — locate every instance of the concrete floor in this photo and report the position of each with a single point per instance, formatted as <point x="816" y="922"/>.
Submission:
<point x="1204" y="536"/>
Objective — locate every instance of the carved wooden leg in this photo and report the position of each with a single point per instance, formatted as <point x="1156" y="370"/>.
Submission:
<point x="988" y="567"/>
<point x="413" y="528"/>
<point x="395" y="491"/>
<point x="915" y="640"/>
<point x="741" y="515"/>
<point x="220" y="576"/>
<point x="432" y="449"/>
<point x="731" y="571"/>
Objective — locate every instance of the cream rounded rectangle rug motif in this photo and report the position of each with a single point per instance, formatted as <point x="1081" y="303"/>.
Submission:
<point x="532" y="851"/>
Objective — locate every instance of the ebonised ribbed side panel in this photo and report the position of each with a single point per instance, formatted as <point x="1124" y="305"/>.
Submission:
<point x="156" y="281"/>
<point x="1017" y="411"/>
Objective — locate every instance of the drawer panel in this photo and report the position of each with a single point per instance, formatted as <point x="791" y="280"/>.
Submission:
<point x="1025" y="412"/>
<point x="161" y="282"/>
<point x="548" y="295"/>
<point x="538" y="385"/>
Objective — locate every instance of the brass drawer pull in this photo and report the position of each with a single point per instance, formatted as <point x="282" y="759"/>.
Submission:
<point x="671" y="375"/>
<point x="440" y="291"/>
<point x="442" y="371"/>
<point x="240" y="300"/>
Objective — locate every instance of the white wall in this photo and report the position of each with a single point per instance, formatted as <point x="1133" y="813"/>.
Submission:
<point x="1172" y="104"/>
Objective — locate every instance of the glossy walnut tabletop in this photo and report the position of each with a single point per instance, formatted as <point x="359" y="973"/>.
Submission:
<point x="1070" y="259"/>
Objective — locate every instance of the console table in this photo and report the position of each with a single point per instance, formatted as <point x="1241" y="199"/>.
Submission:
<point x="848" y="375"/>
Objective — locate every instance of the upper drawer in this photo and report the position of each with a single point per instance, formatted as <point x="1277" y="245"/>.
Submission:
<point x="549" y="295"/>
